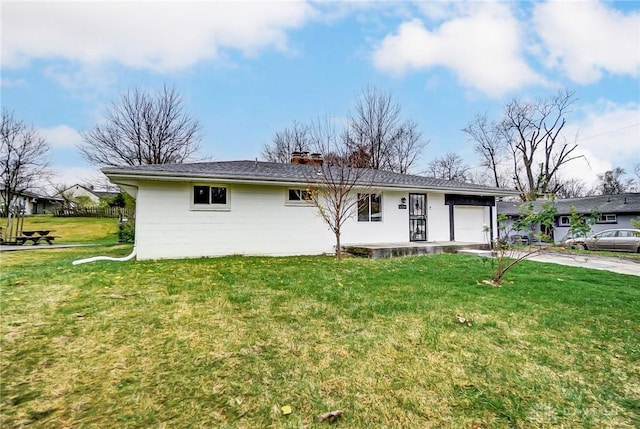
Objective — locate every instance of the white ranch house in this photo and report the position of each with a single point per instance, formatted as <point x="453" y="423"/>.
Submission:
<point x="258" y="208"/>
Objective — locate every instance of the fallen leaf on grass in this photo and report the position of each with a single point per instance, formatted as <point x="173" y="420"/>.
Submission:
<point x="331" y="416"/>
<point x="464" y="320"/>
<point x="115" y="296"/>
<point x="286" y="410"/>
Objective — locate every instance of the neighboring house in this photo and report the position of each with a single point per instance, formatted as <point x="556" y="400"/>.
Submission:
<point x="614" y="211"/>
<point x="259" y="208"/>
<point x="91" y="194"/>
<point x="32" y="203"/>
<point x="45" y="204"/>
<point x="79" y="191"/>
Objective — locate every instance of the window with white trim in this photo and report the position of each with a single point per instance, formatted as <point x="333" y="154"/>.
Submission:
<point x="607" y="218"/>
<point x="564" y="221"/>
<point x="299" y="197"/>
<point x="369" y="208"/>
<point x="206" y="197"/>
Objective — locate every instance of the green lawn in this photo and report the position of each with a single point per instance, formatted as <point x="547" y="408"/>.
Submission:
<point x="227" y="342"/>
<point x="74" y="229"/>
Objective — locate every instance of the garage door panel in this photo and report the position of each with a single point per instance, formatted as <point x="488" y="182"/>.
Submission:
<point x="469" y="222"/>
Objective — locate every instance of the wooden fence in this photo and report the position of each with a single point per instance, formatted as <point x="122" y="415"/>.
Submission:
<point x="93" y="212"/>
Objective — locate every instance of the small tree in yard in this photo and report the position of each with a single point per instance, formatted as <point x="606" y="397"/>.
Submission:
<point x="334" y="185"/>
<point x="506" y="255"/>
<point x="580" y="226"/>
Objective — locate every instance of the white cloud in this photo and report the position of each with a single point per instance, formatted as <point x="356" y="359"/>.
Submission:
<point x="587" y="38"/>
<point x="608" y="137"/>
<point x="483" y="47"/>
<point x="13" y="83"/>
<point x="435" y="10"/>
<point x="438" y="10"/>
<point x="161" y="36"/>
<point x="61" y="136"/>
<point x="63" y="177"/>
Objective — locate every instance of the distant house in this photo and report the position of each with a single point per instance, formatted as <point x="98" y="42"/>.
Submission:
<point x="258" y="208"/>
<point x="92" y="195"/>
<point x="31" y="203"/>
<point x="613" y="211"/>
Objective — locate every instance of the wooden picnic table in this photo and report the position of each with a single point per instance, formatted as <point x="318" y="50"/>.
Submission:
<point x="36" y="236"/>
<point x="39" y="232"/>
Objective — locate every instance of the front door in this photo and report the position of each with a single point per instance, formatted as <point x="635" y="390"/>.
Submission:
<point x="417" y="217"/>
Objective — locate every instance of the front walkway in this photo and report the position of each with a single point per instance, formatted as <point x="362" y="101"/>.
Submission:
<point x="389" y="250"/>
<point x="14" y="248"/>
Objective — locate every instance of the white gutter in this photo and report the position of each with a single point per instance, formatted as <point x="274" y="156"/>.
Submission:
<point x="172" y="177"/>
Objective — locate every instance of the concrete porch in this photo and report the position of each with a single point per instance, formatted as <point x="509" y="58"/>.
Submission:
<point x="392" y="250"/>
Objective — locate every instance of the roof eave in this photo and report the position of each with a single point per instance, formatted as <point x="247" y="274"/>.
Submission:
<point x="116" y="175"/>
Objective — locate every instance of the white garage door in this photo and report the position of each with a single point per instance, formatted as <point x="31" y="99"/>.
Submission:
<point x="469" y="222"/>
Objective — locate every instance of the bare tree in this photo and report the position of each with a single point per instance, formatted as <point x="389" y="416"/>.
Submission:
<point x="611" y="182"/>
<point x="569" y="188"/>
<point x="533" y="131"/>
<point x="376" y="129"/>
<point x="449" y="167"/>
<point x="100" y="182"/>
<point x="375" y="137"/>
<point x="294" y="139"/>
<point x="635" y="182"/>
<point x="335" y="186"/>
<point x="24" y="158"/>
<point x="141" y="128"/>
<point x="65" y="193"/>
<point x="489" y="144"/>
<point x="407" y="149"/>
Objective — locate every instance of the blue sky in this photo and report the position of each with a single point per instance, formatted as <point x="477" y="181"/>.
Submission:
<point x="248" y="69"/>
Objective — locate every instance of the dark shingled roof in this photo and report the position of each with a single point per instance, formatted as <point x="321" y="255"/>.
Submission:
<point x="295" y="173"/>
<point x="621" y="203"/>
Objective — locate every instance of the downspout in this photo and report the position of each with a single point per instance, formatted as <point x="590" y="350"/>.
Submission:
<point x="491" y="237"/>
<point x="452" y="227"/>
<point x="106" y="258"/>
<point x="133" y="191"/>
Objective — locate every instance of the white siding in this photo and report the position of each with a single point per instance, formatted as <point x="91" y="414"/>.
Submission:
<point x="438" y="220"/>
<point x="28" y="203"/>
<point x="78" y="191"/>
<point x="469" y="222"/>
<point x="259" y="223"/>
<point x="393" y="228"/>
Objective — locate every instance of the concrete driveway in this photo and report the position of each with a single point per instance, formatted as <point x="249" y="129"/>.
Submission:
<point x="595" y="262"/>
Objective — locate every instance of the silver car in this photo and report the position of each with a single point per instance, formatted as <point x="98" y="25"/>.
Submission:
<point x="617" y="240"/>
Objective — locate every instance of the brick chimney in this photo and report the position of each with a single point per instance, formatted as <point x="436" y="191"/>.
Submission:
<point x="316" y="159"/>
<point x="304" y="158"/>
<point x="300" y="158"/>
<point x="297" y="158"/>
